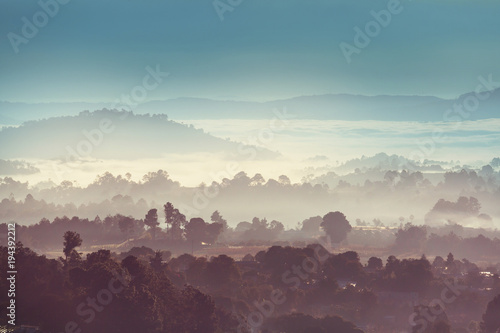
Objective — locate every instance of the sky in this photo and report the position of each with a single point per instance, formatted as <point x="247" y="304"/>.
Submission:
<point x="261" y="50"/>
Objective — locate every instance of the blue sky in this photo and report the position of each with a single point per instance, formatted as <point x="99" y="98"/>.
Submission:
<point x="262" y="50"/>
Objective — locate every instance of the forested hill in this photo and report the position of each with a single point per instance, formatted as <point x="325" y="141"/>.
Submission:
<point x="114" y="135"/>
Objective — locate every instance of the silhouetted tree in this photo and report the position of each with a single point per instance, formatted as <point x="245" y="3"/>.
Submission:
<point x="450" y="259"/>
<point x="407" y="275"/>
<point x="71" y="241"/>
<point x="491" y="318"/>
<point x="151" y="221"/>
<point x="411" y="238"/>
<point x="222" y="271"/>
<point x="375" y="263"/>
<point x="344" y="266"/>
<point x="438" y="262"/>
<point x="336" y="225"/>
<point x="175" y="219"/>
<point x="213" y="230"/>
<point x="464" y="205"/>
<point x="312" y="224"/>
<point x="248" y="257"/>
<point x="198" y="231"/>
<point x="198" y="312"/>
<point x="217" y="218"/>
<point x="156" y="262"/>
<point x="126" y="225"/>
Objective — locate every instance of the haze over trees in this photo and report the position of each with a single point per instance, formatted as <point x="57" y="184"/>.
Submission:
<point x="105" y="132"/>
<point x="359" y="246"/>
<point x="470" y="197"/>
<point x="258" y="166"/>
<point x="295" y="289"/>
<point x="363" y="251"/>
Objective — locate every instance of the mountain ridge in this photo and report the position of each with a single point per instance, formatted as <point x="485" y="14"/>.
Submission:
<point x="322" y="107"/>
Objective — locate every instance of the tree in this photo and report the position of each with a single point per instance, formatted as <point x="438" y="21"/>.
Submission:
<point x="175" y="219"/>
<point x="336" y="225"/>
<point x="344" y="266"/>
<point x="257" y="180"/>
<point x="438" y="262"/>
<point x="71" y="241"/>
<point x="276" y="227"/>
<point x="407" y="275"/>
<point x="213" y="230"/>
<point x="411" y="238"/>
<point x="198" y="312"/>
<point x="198" y="231"/>
<point x="151" y="220"/>
<point x="450" y="259"/>
<point x="375" y="263"/>
<point x="312" y="224"/>
<point x="284" y="180"/>
<point x="450" y="263"/>
<point x="126" y="225"/>
<point x="248" y="257"/>
<point x="222" y="271"/>
<point x="491" y="318"/>
<point x="156" y="262"/>
<point x="217" y="218"/>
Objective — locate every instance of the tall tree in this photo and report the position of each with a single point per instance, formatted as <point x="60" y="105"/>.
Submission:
<point x="72" y="240"/>
<point x="196" y="231"/>
<point x="217" y="218"/>
<point x="126" y="225"/>
<point x="175" y="219"/>
<point x="151" y="221"/>
<point x="336" y="225"/>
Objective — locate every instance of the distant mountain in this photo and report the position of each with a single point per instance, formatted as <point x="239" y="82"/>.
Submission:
<point x="331" y="107"/>
<point x="115" y="135"/>
<point x="334" y="107"/>
<point x="387" y="162"/>
<point x="17" y="113"/>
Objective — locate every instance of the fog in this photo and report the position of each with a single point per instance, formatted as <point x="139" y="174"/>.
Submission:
<point x="249" y="198"/>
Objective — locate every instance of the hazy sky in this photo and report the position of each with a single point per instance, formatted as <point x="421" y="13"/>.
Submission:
<point x="263" y="49"/>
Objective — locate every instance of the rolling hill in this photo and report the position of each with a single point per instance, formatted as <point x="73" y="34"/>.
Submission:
<point x="109" y="134"/>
